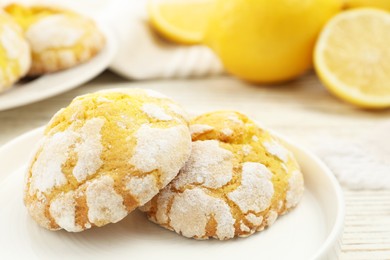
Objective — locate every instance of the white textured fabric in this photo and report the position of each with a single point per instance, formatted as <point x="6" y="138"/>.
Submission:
<point x="358" y="163"/>
<point x="144" y="55"/>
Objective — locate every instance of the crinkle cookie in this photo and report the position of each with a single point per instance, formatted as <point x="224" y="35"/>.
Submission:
<point x="104" y="155"/>
<point x="15" y="58"/>
<point x="238" y="180"/>
<point x="59" y="39"/>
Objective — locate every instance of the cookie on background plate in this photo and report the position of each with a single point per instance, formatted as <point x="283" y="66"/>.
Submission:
<point x="238" y="180"/>
<point x="59" y="38"/>
<point x="103" y="156"/>
<point x="15" y="58"/>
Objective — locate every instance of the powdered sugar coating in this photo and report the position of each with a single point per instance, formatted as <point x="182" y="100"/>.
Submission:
<point x="235" y="119"/>
<point x="253" y="219"/>
<point x="54" y="31"/>
<point x="244" y="227"/>
<point x="227" y="131"/>
<point x="89" y="150"/>
<point x="200" y="129"/>
<point x="37" y="211"/>
<point x="209" y="165"/>
<point x="178" y="110"/>
<point x="9" y="38"/>
<point x="163" y="206"/>
<point x="295" y="189"/>
<point x="271" y="217"/>
<point x="104" y="203"/>
<point x="155" y="94"/>
<point x="47" y="169"/>
<point x="276" y="149"/>
<point x="156" y="149"/>
<point x="201" y="207"/>
<point x="246" y="149"/>
<point x="256" y="190"/>
<point x="156" y="112"/>
<point x="62" y="209"/>
<point x="142" y="188"/>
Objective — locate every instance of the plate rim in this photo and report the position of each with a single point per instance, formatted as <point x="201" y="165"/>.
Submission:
<point x="336" y="230"/>
<point x="334" y="236"/>
<point x="111" y="47"/>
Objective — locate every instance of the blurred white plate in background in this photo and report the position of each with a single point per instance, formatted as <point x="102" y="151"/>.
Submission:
<point x="311" y="231"/>
<point x="55" y="83"/>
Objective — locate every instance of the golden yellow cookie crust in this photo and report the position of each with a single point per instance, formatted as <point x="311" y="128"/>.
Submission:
<point x="104" y="155"/>
<point x="238" y="180"/>
<point x="59" y="38"/>
<point x="15" y="58"/>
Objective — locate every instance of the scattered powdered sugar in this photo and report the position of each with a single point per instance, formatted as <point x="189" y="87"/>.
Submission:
<point x="62" y="209"/>
<point x="192" y="209"/>
<point x="156" y="112"/>
<point x="227" y="131"/>
<point x="246" y="149"/>
<point x="165" y="149"/>
<point x="255" y="220"/>
<point x="200" y="129"/>
<point x="54" y="31"/>
<point x="143" y="188"/>
<point x="105" y="204"/>
<point x="46" y="172"/>
<point x="256" y="190"/>
<point x="295" y="189"/>
<point x="89" y="150"/>
<point x="276" y="149"/>
<point x="208" y="164"/>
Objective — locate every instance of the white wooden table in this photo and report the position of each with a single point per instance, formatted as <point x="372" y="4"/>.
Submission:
<point x="298" y="109"/>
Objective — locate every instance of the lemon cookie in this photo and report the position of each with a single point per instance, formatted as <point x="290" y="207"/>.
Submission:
<point x="15" y="56"/>
<point x="104" y="155"/>
<point x="59" y="39"/>
<point x="238" y="180"/>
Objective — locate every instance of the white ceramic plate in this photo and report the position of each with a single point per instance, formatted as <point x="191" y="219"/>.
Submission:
<point x="311" y="231"/>
<point x="55" y="83"/>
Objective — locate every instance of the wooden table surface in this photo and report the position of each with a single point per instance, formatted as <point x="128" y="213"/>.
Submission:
<point x="296" y="109"/>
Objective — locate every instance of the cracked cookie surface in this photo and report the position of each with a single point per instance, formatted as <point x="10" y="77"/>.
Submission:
<point x="238" y="180"/>
<point x="104" y="155"/>
<point x="59" y="38"/>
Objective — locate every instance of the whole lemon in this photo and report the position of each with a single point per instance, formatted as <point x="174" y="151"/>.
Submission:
<point x="267" y="41"/>
<point x="384" y="4"/>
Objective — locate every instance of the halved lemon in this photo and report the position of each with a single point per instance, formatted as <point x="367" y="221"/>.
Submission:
<point x="181" y="21"/>
<point x="352" y="57"/>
